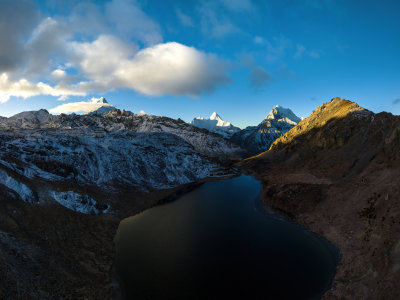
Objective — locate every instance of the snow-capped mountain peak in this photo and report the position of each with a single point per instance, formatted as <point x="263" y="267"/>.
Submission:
<point x="215" y="116"/>
<point x="220" y="122"/>
<point x="279" y="112"/>
<point x="215" y="124"/>
<point x="259" y="138"/>
<point x="100" y="106"/>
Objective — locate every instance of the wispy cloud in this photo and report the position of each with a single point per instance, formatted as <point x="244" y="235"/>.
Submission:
<point x="302" y="51"/>
<point x="396" y="101"/>
<point x="277" y="47"/>
<point x="258" y="76"/>
<point x="259" y="40"/>
<point x="284" y="72"/>
<point x="214" y="22"/>
<point x="184" y="18"/>
<point x="24" y="88"/>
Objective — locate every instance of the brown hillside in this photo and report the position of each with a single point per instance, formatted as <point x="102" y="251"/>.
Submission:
<point x="337" y="173"/>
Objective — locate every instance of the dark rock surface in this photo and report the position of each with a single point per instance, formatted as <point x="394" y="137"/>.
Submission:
<point x="338" y="174"/>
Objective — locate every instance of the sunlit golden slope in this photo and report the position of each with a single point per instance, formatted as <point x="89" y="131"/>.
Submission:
<point x="338" y="173"/>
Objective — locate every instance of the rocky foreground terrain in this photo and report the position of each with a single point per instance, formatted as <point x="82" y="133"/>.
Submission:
<point x="338" y="173"/>
<point x="66" y="182"/>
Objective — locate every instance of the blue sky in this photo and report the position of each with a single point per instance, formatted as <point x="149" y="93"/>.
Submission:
<point x="190" y="58"/>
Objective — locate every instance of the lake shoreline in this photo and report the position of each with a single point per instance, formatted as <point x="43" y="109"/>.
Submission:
<point x="330" y="248"/>
<point x="280" y="215"/>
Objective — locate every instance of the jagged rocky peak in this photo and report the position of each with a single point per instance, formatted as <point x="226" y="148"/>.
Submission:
<point x="40" y="115"/>
<point x="118" y="113"/>
<point x="279" y="112"/>
<point x="257" y="139"/>
<point x="27" y="119"/>
<point x="215" y="124"/>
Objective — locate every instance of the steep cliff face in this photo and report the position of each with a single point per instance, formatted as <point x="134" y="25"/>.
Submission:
<point x="337" y="172"/>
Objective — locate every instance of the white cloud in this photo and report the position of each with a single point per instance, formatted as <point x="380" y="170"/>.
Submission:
<point x="169" y="68"/>
<point x="46" y="45"/>
<point x="24" y="88"/>
<point x="58" y="74"/>
<point x="100" y="58"/>
<point x="17" y="18"/>
<point x="64" y="57"/>
<point x="172" y="68"/>
<point x="85" y="106"/>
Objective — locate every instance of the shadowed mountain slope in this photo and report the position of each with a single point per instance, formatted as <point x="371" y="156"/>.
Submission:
<point x="338" y="173"/>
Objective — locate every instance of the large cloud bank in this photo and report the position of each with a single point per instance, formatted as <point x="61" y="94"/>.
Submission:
<point x="97" y="50"/>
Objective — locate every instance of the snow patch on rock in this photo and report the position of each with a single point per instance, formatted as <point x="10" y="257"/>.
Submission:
<point x="77" y="202"/>
<point x="21" y="189"/>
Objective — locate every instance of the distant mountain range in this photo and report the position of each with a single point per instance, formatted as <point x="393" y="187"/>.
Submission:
<point x="66" y="181"/>
<point x="255" y="139"/>
<point x="113" y="149"/>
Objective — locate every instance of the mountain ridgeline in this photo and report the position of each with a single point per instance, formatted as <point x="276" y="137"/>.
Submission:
<point x="254" y="139"/>
<point x="66" y="158"/>
<point x="83" y="162"/>
<point x="337" y="172"/>
<point x="66" y="181"/>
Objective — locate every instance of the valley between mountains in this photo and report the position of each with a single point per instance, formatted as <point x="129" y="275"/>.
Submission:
<point x="66" y="181"/>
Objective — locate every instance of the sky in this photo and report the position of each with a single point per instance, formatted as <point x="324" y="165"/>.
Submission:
<point x="184" y="59"/>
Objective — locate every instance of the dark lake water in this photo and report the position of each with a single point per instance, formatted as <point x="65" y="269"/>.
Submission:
<point x="217" y="242"/>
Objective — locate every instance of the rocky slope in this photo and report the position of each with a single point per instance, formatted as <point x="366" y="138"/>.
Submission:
<point x="83" y="162"/>
<point x="66" y="182"/>
<point x="256" y="139"/>
<point x="337" y="173"/>
<point x="216" y="124"/>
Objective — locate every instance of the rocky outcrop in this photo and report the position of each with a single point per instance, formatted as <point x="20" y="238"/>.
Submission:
<point x="337" y="172"/>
